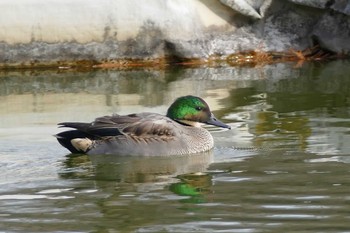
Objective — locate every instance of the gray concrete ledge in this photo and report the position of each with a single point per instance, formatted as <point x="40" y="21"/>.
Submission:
<point x="61" y="32"/>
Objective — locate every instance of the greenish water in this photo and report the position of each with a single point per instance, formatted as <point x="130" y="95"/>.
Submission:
<point x="284" y="166"/>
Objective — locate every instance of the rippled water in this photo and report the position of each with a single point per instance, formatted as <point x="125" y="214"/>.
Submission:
<point x="283" y="167"/>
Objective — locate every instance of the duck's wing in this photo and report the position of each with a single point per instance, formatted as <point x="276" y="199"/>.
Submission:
<point x="149" y="126"/>
<point x="146" y="125"/>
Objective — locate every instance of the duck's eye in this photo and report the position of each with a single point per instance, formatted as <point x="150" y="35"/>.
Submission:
<point x="199" y="108"/>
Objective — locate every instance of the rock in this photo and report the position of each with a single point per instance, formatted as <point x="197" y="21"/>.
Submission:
<point x="332" y="33"/>
<point x="342" y="6"/>
<point x="252" y="8"/>
<point x="322" y="4"/>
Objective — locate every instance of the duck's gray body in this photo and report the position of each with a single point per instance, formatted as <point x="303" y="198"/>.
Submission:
<point x="147" y="134"/>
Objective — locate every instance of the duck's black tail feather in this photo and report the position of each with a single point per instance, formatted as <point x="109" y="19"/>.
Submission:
<point x="64" y="138"/>
<point x="75" y="125"/>
<point x="94" y="131"/>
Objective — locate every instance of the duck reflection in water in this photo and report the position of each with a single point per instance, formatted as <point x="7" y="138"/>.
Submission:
<point x="135" y="169"/>
<point x="184" y="175"/>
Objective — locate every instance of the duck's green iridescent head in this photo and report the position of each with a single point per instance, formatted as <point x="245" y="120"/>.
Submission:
<point x="190" y="110"/>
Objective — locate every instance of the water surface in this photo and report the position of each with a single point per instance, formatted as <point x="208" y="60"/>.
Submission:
<point x="283" y="167"/>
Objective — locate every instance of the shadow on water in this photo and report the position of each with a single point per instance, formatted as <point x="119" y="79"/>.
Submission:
<point x="282" y="167"/>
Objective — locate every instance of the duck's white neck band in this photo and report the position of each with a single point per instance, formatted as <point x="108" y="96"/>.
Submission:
<point x="191" y="123"/>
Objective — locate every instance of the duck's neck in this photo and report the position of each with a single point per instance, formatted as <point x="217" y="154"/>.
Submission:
<point x="190" y="123"/>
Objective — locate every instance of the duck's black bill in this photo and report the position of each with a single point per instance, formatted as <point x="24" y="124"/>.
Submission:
<point x="216" y="122"/>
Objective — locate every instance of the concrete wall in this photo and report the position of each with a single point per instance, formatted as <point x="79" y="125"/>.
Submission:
<point x="65" y="32"/>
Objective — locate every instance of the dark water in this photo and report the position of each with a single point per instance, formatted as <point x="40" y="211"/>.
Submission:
<point x="284" y="166"/>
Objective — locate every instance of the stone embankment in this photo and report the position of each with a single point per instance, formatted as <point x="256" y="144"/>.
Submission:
<point x="117" y="33"/>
